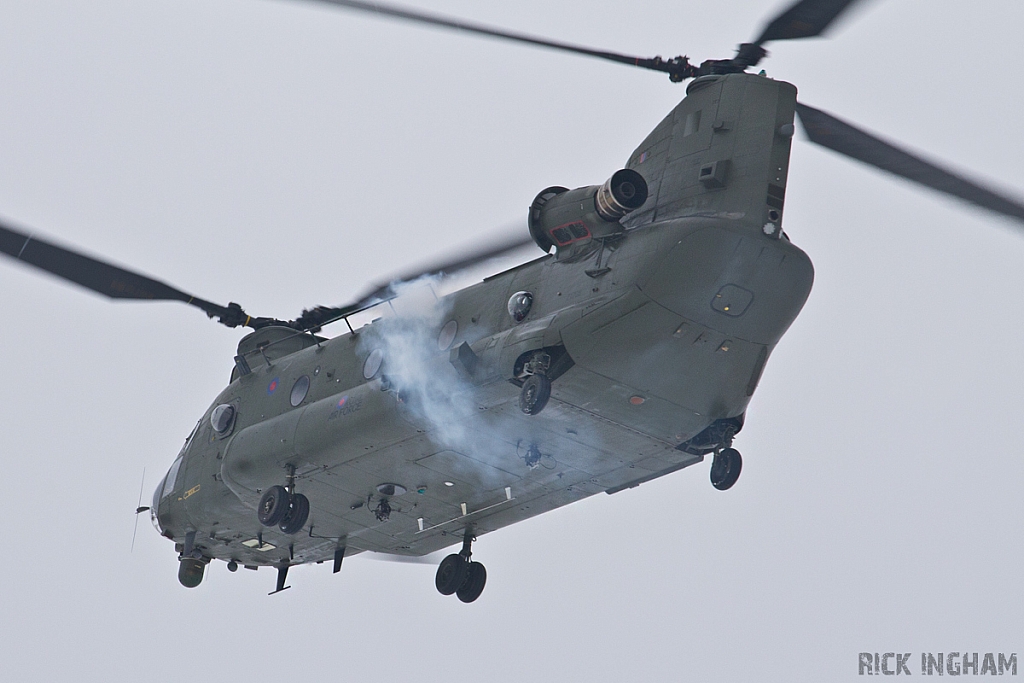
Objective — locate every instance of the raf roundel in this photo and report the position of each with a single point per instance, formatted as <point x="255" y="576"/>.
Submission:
<point x="272" y="387"/>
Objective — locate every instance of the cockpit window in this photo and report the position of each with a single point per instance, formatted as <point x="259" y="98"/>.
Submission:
<point x="172" y="476"/>
<point x="157" y="493"/>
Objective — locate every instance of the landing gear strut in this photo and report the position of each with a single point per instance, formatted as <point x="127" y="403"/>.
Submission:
<point x="191" y="563"/>
<point x="280" y="506"/>
<point x="459" y="575"/>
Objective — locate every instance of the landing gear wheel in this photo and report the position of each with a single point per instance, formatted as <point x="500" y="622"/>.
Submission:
<point x="451" y="574"/>
<point x="725" y="469"/>
<point x="190" y="572"/>
<point x="273" y="506"/>
<point x="296" y="515"/>
<point x="473" y="586"/>
<point x="535" y="394"/>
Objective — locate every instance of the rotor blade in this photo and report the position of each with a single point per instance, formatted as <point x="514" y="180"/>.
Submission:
<point x="106" y="279"/>
<point x="677" y="68"/>
<point x="804" y="19"/>
<point x="828" y="131"/>
<point x="450" y="267"/>
<point x="314" y="319"/>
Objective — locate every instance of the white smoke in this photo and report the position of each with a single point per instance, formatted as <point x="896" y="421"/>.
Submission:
<point x="444" y="403"/>
<point x="420" y="371"/>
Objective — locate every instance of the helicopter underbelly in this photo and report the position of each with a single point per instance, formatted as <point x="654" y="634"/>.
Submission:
<point x="687" y="346"/>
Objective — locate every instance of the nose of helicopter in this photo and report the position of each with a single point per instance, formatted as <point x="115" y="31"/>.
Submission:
<point x="154" y="510"/>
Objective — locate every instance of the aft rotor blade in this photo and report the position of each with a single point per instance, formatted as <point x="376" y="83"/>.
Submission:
<point x="677" y="68"/>
<point x="804" y="19"/>
<point x="316" y="318"/>
<point x="105" y="278"/>
<point x="839" y="136"/>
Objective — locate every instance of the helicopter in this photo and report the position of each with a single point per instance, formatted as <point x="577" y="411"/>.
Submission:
<point x="513" y="352"/>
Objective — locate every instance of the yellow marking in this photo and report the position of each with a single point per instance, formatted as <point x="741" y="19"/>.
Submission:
<point x="247" y="319"/>
<point x="194" y="489"/>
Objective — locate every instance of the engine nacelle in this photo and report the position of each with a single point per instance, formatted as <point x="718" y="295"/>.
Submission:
<point x="571" y="219"/>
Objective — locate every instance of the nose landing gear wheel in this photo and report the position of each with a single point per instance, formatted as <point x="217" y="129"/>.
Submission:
<point x="451" y="574"/>
<point x="190" y="572"/>
<point x="535" y="394"/>
<point x="296" y="515"/>
<point x="473" y="586"/>
<point x="725" y="469"/>
<point x="273" y="506"/>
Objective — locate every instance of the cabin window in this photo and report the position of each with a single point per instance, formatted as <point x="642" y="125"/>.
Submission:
<point x="222" y="417"/>
<point x="519" y="306"/>
<point x="447" y="335"/>
<point x="299" y="391"/>
<point x="373" y="363"/>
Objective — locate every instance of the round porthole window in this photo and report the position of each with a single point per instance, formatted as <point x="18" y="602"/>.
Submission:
<point x="372" y="364"/>
<point x="447" y="335"/>
<point x="299" y="391"/>
<point x="519" y="306"/>
<point x="222" y="417"/>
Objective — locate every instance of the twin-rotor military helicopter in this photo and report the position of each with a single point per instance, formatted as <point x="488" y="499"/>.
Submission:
<point x="629" y="350"/>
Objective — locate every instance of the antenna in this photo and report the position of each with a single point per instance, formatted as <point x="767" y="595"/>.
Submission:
<point x="139" y="508"/>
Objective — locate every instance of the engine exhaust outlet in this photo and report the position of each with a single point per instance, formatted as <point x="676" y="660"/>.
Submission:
<point x="625" y="191"/>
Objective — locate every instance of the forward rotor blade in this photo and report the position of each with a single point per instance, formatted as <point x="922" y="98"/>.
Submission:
<point x="828" y="131"/>
<point x="107" y="279"/>
<point x="314" y="319"/>
<point x="804" y="19"/>
<point x="450" y="267"/>
<point x="677" y="68"/>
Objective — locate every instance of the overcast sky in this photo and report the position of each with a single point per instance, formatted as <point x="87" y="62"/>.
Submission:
<point x="283" y="154"/>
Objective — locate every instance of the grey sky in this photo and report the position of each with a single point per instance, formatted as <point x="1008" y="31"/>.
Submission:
<point x="282" y="155"/>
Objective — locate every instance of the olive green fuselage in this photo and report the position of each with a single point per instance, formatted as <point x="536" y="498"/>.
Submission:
<point x="658" y="335"/>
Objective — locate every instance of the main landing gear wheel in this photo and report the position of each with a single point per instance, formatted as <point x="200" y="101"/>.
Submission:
<point x="273" y="506"/>
<point x="725" y="468"/>
<point x="535" y="394"/>
<point x="451" y="574"/>
<point x="296" y="515"/>
<point x="473" y="586"/>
